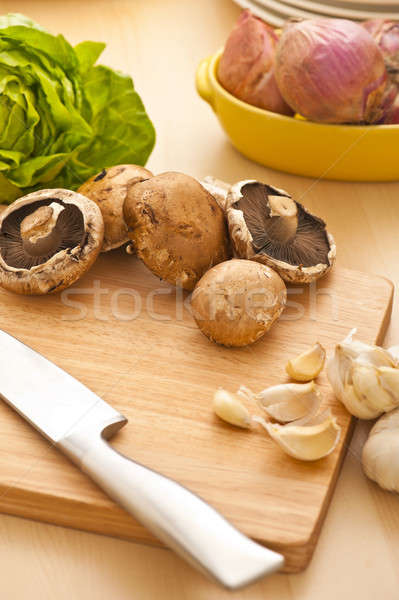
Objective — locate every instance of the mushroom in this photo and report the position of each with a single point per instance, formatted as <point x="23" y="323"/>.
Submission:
<point x="237" y="301"/>
<point x="108" y="190"/>
<point x="176" y="227"/>
<point x="268" y="226"/>
<point x="48" y="239"/>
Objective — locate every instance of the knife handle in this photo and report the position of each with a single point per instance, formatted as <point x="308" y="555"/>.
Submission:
<point x="182" y="520"/>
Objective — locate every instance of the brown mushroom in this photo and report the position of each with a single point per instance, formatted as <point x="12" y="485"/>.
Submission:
<point x="48" y="240"/>
<point x="237" y="301"/>
<point x="268" y="226"/>
<point x="108" y="190"/>
<point x="176" y="227"/>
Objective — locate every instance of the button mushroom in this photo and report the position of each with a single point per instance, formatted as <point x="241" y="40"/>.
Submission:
<point x="268" y="226"/>
<point x="176" y="227"/>
<point x="48" y="239"/>
<point x="237" y="301"/>
<point x="108" y="190"/>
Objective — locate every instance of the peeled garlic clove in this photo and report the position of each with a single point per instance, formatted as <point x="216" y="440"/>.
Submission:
<point x="380" y="457"/>
<point x="290" y="401"/>
<point x="307" y="365"/>
<point x="306" y="442"/>
<point x="230" y="409"/>
<point x="368" y="388"/>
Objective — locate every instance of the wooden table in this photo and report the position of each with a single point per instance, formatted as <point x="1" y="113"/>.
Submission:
<point x="160" y="43"/>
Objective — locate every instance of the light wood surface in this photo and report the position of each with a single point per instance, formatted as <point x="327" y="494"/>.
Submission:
<point x="160" y="43"/>
<point x="137" y="346"/>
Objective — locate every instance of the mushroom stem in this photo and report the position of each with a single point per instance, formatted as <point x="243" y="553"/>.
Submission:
<point x="284" y="218"/>
<point x="39" y="230"/>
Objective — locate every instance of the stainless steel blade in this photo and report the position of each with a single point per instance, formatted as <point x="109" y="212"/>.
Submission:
<point x="45" y="395"/>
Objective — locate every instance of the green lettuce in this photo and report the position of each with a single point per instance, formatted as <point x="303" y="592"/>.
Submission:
<point x="62" y="118"/>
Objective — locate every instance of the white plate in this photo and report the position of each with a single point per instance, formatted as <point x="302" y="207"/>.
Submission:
<point x="334" y="10"/>
<point x="276" y="12"/>
<point x="275" y="19"/>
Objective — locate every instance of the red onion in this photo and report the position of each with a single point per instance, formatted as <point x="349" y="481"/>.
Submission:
<point x="246" y="67"/>
<point x="386" y="34"/>
<point x="331" y="70"/>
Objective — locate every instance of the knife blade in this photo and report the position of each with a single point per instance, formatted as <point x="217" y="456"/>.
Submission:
<point x="79" y="423"/>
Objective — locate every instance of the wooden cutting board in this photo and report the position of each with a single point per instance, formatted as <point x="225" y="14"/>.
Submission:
<point x="130" y="338"/>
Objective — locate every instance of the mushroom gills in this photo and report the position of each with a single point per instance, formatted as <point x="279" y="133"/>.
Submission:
<point x="30" y="238"/>
<point x="282" y="228"/>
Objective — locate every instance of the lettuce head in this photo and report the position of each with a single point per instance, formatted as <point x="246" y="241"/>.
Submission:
<point x="62" y="117"/>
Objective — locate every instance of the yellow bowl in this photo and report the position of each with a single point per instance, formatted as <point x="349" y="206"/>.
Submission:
<point x="294" y="145"/>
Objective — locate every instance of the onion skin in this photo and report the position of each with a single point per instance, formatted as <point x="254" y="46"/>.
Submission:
<point x="331" y="71"/>
<point x="246" y="67"/>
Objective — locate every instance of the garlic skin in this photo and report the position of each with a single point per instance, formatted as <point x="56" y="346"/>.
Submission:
<point x="288" y="401"/>
<point x="229" y="409"/>
<point x="380" y="457"/>
<point x="365" y="378"/>
<point x="308" y="365"/>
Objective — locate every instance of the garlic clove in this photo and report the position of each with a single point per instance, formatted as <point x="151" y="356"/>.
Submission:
<point x="369" y="353"/>
<point x="307" y="365"/>
<point x="389" y="380"/>
<point x="290" y="401"/>
<point x="306" y="442"/>
<point x="229" y="409"/>
<point x="374" y="355"/>
<point x="338" y="369"/>
<point x="368" y="388"/>
<point x="357" y="406"/>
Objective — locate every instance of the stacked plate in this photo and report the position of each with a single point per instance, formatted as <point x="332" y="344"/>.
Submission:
<point x="276" y="12"/>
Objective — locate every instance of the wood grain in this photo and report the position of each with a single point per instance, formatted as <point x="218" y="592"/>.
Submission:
<point x="131" y="339"/>
<point x="160" y="43"/>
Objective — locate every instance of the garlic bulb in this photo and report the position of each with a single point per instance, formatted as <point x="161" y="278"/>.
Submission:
<point x="364" y="377"/>
<point x="380" y="456"/>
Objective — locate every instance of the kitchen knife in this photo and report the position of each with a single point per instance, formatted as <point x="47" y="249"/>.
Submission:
<point x="78" y="423"/>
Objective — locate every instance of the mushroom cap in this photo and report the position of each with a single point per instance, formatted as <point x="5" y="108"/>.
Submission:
<point x="108" y="190"/>
<point x="81" y="232"/>
<point x="176" y="227"/>
<point x="237" y="301"/>
<point x="308" y="255"/>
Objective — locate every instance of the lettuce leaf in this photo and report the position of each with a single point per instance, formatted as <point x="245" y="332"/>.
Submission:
<point x="62" y="117"/>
